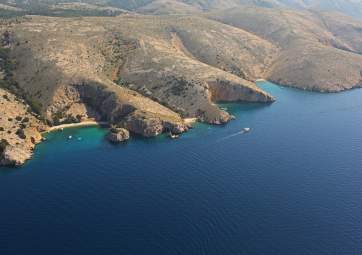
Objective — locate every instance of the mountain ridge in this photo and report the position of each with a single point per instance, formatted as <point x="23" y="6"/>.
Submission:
<point x="351" y="8"/>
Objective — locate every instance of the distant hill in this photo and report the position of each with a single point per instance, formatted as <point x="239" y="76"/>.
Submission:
<point x="351" y="8"/>
<point x="319" y="51"/>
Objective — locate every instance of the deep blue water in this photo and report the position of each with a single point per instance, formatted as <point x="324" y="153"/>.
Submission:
<point x="293" y="185"/>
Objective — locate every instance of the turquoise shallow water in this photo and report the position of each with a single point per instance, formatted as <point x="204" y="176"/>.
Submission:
<point x="293" y="185"/>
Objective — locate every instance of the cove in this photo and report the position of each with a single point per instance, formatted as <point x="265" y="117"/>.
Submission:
<point x="293" y="185"/>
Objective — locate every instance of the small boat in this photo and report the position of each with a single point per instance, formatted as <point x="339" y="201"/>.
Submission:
<point x="173" y="136"/>
<point x="246" y="130"/>
<point x="70" y="137"/>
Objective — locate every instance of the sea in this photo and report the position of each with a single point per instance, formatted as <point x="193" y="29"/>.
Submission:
<point x="291" y="185"/>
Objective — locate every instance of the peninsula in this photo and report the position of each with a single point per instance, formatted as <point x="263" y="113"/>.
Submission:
<point x="150" y="73"/>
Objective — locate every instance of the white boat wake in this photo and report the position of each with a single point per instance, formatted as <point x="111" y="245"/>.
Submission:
<point x="243" y="131"/>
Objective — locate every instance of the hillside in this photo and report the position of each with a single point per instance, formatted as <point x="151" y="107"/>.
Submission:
<point x="319" y="51"/>
<point x="143" y="73"/>
<point x="150" y="55"/>
<point x="148" y="73"/>
<point x="351" y="8"/>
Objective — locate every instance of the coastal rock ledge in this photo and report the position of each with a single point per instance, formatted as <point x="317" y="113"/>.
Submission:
<point x="117" y="135"/>
<point x="14" y="156"/>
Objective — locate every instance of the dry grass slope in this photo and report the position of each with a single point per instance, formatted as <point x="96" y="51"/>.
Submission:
<point x="314" y="52"/>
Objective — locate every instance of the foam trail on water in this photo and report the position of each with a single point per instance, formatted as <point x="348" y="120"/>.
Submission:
<point x="232" y="135"/>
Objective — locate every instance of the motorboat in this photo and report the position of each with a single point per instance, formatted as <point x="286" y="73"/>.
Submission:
<point x="173" y="136"/>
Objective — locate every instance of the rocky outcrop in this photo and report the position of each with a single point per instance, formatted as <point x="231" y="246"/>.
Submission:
<point x="117" y="135"/>
<point x="14" y="155"/>
<point x="149" y="125"/>
<point x="231" y="91"/>
<point x="19" y="130"/>
<point x="121" y="106"/>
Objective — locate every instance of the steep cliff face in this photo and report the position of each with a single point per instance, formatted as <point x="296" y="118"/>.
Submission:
<point x="118" y="105"/>
<point x="19" y="130"/>
<point x="150" y="124"/>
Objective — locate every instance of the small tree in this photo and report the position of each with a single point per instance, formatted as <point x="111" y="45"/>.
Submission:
<point x="20" y="132"/>
<point x="3" y="144"/>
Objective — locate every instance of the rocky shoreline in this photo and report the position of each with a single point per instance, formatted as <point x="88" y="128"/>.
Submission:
<point x="17" y="144"/>
<point x="145" y="75"/>
<point x="20" y="130"/>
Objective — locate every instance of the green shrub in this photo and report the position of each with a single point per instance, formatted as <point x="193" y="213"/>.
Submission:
<point x="3" y="144"/>
<point x="34" y="105"/>
<point x="25" y="120"/>
<point x="20" y="133"/>
<point x="121" y="82"/>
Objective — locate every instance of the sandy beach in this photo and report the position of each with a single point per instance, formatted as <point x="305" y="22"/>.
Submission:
<point x="87" y="123"/>
<point x="90" y="123"/>
<point x="190" y="120"/>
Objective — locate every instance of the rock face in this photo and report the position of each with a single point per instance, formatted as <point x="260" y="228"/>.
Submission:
<point x="149" y="125"/>
<point x="118" y="135"/>
<point x="14" y="155"/>
<point x="18" y="130"/>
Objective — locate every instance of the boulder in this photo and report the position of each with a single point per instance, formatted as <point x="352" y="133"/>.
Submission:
<point x="118" y="135"/>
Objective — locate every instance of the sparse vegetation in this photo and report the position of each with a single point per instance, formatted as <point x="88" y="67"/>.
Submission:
<point x="7" y="66"/>
<point x="120" y="81"/>
<point x="20" y="133"/>
<point x="34" y="105"/>
<point x="3" y="144"/>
